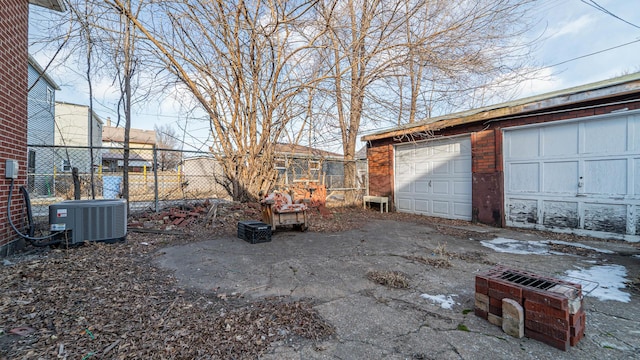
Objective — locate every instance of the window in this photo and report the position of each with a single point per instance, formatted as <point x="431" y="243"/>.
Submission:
<point x="50" y="97"/>
<point x="66" y="165"/>
<point x="280" y="163"/>
<point x="31" y="161"/>
<point x="314" y="165"/>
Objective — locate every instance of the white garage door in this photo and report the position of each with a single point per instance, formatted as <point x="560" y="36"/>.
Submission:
<point x="582" y="176"/>
<point x="434" y="178"/>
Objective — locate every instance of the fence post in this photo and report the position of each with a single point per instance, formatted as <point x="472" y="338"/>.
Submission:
<point x="155" y="177"/>
<point x="76" y="183"/>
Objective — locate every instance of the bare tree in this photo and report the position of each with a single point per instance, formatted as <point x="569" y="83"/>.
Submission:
<point x="263" y="70"/>
<point x="110" y="53"/>
<point x="167" y="139"/>
<point x="446" y="50"/>
<point x="124" y="56"/>
<point x="245" y="64"/>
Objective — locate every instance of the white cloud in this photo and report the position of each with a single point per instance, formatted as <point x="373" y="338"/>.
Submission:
<point x="543" y="81"/>
<point x="573" y="27"/>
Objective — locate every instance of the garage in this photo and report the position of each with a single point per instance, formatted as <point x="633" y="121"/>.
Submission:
<point x="581" y="176"/>
<point x="434" y="177"/>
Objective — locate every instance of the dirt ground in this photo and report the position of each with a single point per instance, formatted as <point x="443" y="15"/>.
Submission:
<point x="355" y="286"/>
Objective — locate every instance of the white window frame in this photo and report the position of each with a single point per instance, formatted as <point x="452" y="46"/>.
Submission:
<point x="65" y="165"/>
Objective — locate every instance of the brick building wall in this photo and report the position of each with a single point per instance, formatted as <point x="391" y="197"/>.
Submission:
<point x="486" y="152"/>
<point x="380" y="160"/>
<point x="13" y="110"/>
<point x="487" y="176"/>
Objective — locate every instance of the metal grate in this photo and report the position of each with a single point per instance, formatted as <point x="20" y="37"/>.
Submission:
<point x="528" y="281"/>
<point x="526" y="278"/>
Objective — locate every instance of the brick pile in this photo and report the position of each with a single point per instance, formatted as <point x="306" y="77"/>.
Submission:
<point x="551" y="310"/>
<point x="169" y="219"/>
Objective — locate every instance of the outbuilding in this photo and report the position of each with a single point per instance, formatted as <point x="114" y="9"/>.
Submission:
<point x="565" y="161"/>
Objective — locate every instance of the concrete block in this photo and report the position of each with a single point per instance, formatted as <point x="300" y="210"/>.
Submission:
<point x="512" y="318"/>
<point x="495" y="319"/>
<point x="482" y="302"/>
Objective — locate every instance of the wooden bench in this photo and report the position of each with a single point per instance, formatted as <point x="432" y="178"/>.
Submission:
<point x="382" y="200"/>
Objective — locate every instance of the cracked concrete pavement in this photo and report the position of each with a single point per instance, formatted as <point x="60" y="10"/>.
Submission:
<point x="376" y="322"/>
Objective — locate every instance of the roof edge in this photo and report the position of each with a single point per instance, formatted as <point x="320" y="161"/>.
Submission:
<point x="40" y="70"/>
<point x="57" y="5"/>
<point x="589" y="92"/>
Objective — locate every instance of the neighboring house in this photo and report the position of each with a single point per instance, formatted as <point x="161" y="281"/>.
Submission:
<point x="113" y="161"/>
<point x="113" y="168"/>
<point x="13" y="109"/>
<point x="361" y="167"/>
<point x="40" y="130"/>
<point x="141" y="142"/>
<point x="566" y="161"/>
<point x="202" y="177"/>
<point x="77" y="130"/>
<point x="298" y="163"/>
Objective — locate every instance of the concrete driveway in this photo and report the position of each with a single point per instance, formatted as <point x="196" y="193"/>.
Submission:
<point x="376" y="322"/>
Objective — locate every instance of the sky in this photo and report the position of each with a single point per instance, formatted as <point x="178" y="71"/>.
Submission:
<point x="571" y="31"/>
<point x="575" y="29"/>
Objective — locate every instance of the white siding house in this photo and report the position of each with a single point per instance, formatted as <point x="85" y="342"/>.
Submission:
<point x="77" y="130"/>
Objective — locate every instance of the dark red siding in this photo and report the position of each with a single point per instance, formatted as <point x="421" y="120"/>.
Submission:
<point x="486" y="152"/>
<point x="381" y="170"/>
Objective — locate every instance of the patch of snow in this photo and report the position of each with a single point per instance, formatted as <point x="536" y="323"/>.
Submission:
<point x="528" y="247"/>
<point x="445" y="301"/>
<point x="637" y="256"/>
<point x="578" y="245"/>
<point x="611" y="279"/>
<point x="521" y="247"/>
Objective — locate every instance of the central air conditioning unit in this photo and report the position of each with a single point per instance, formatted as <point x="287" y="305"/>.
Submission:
<point x="89" y="220"/>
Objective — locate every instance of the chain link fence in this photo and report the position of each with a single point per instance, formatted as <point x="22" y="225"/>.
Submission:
<point x="176" y="176"/>
<point x="300" y="171"/>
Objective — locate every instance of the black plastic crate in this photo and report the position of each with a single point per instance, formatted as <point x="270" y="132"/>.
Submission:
<point x="243" y="227"/>
<point x="254" y="232"/>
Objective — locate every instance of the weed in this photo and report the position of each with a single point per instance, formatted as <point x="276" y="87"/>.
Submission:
<point x="392" y="279"/>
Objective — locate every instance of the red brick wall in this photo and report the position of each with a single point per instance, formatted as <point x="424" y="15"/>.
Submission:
<point x="486" y="195"/>
<point x="13" y="107"/>
<point x="381" y="171"/>
<point x="486" y="152"/>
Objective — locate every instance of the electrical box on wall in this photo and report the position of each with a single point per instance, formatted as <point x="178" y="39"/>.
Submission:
<point x="11" y="169"/>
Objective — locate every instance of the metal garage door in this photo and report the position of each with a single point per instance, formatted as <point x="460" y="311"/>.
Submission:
<point x="582" y="176"/>
<point x="434" y="178"/>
